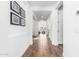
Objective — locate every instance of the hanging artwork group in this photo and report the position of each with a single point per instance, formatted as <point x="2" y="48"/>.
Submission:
<point x="17" y="14"/>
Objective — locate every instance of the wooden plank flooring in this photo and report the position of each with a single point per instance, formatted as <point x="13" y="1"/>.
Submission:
<point x="50" y="50"/>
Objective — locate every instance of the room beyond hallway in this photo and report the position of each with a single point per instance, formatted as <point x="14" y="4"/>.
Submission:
<point x="42" y="47"/>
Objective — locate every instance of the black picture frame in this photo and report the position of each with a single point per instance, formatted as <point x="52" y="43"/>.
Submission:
<point x="22" y="12"/>
<point x="22" y="22"/>
<point x="14" y="19"/>
<point x="14" y="6"/>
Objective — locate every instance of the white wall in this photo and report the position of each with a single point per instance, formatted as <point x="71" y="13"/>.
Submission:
<point x="60" y="26"/>
<point x="39" y="8"/>
<point x="54" y="27"/>
<point x="71" y="29"/>
<point x="42" y="23"/>
<point x="55" y="24"/>
<point x="14" y="40"/>
<point x="4" y="29"/>
<point x="20" y="37"/>
<point x="35" y="27"/>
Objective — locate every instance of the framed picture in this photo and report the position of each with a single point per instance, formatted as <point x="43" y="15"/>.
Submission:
<point x="22" y="12"/>
<point x="15" y="6"/>
<point x="14" y="19"/>
<point x="22" y="22"/>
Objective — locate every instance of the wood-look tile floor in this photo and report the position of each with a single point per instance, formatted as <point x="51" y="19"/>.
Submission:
<point x="49" y="51"/>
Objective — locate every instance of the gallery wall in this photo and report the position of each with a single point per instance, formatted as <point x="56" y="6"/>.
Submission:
<point x="14" y="40"/>
<point x="20" y="37"/>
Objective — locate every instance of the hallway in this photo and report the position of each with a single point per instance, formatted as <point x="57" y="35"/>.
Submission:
<point x="42" y="47"/>
<point x="34" y="28"/>
<point x="23" y="23"/>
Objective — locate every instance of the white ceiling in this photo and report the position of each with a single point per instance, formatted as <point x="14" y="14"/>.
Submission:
<point x="41" y="15"/>
<point x="42" y="3"/>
